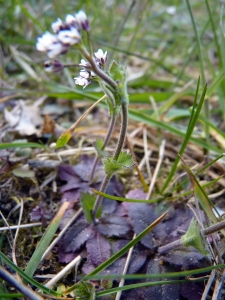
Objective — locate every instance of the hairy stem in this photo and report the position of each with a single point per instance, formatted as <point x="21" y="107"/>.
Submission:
<point x="108" y="135"/>
<point x="122" y="137"/>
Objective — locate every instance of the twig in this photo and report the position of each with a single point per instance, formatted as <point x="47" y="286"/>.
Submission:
<point x="15" y="237"/>
<point x="62" y="273"/>
<point x="208" y="285"/>
<point x="8" y="227"/>
<point x="72" y="128"/>
<point x="159" y="162"/>
<point x="21" y="226"/>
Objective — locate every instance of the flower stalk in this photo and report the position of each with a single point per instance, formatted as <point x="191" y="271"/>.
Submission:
<point x="113" y="83"/>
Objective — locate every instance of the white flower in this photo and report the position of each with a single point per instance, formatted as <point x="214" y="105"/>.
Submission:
<point x="69" y="37"/>
<point x="70" y="20"/>
<point x="84" y="74"/>
<point x="84" y="63"/>
<point x="57" y="25"/>
<point x="82" y="81"/>
<point x="102" y="57"/>
<point x="46" y="41"/>
<point x="171" y="10"/>
<point x="57" y="49"/>
<point x="82" y="19"/>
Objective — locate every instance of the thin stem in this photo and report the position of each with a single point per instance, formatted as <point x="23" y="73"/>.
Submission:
<point x="207" y="231"/>
<point x="108" y="135"/>
<point x="122" y="137"/>
<point x="123" y="131"/>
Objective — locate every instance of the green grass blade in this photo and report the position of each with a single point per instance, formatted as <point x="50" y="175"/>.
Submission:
<point x="21" y="145"/>
<point x="186" y="273"/>
<point x="26" y="277"/>
<point x="45" y="241"/>
<point x="200" y="195"/>
<point x="144" y="284"/>
<point x="191" y="125"/>
<point x="125" y="199"/>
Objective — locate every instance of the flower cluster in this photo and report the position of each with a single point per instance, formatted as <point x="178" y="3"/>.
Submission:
<point x="86" y="74"/>
<point x="67" y="33"/>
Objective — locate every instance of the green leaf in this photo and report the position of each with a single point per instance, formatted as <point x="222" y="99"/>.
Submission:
<point x="87" y="202"/>
<point x="194" y="238"/>
<point x="117" y="72"/>
<point x="112" y="166"/>
<point x="26" y="277"/>
<point x="45" y="241"/>
<point x="125" y="159"/>
<point x="63" y="139"/>
<point x="21" y="145"/>
<point x="200" y="195"/>
<point x="98" y="144"/>
<point x="84" y="290"/>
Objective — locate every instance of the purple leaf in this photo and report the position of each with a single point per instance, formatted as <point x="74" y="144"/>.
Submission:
<point x="164" y="292"/>
<point x="192" y="290"/>
<point x="66" y="217"/>
<point x="138" y="259"/>
<point x="80" y="239"/>
<point x="83" y="169"/>
<point x="40" y="212"/>
<point x="178" y="218"/>
<point x="71" y="196"/>
<point x="186" y="258"/>
<point x="142" y="215"/>
<point x="66" y="173"/>
<point x="70" y="242"/>
<point x="88" y="266"/>
<point x="115" y="268"/>
<point x="98" y="248"/>
<point x="112" y="225"/>
<point x="136" y="194"/>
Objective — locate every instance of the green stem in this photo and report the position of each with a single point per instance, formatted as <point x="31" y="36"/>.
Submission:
<point x="122" y="137"/>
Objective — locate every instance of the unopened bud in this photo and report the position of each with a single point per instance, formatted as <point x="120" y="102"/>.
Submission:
<point x="53" y="66"/>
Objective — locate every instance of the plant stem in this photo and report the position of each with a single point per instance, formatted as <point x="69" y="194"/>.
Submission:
<point x="108" y="135"/>
<point x="122" y="137"/>
<point x="207" y="231"/>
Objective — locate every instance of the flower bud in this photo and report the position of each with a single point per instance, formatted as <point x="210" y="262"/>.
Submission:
<point x="53" y="66"/>
<point x="82" y="19"/>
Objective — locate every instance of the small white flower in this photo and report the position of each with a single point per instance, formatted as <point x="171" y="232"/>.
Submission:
<point x="46" y="41"/>
<point x="171" y="10"/>
<point x="57" y="49"/>
<point x="69" y="37"/>
<point x="84" y="74"/>
<point x="101" y="56"/>
<point x="70" y="20"/>
<point x="57" y="25"/>
<point x="82" y="81"/>
<point x="82" y="19"/>
<point x="84" y="63"/>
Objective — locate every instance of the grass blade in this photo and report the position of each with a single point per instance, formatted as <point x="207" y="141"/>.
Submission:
<point x="45" y="241"/>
